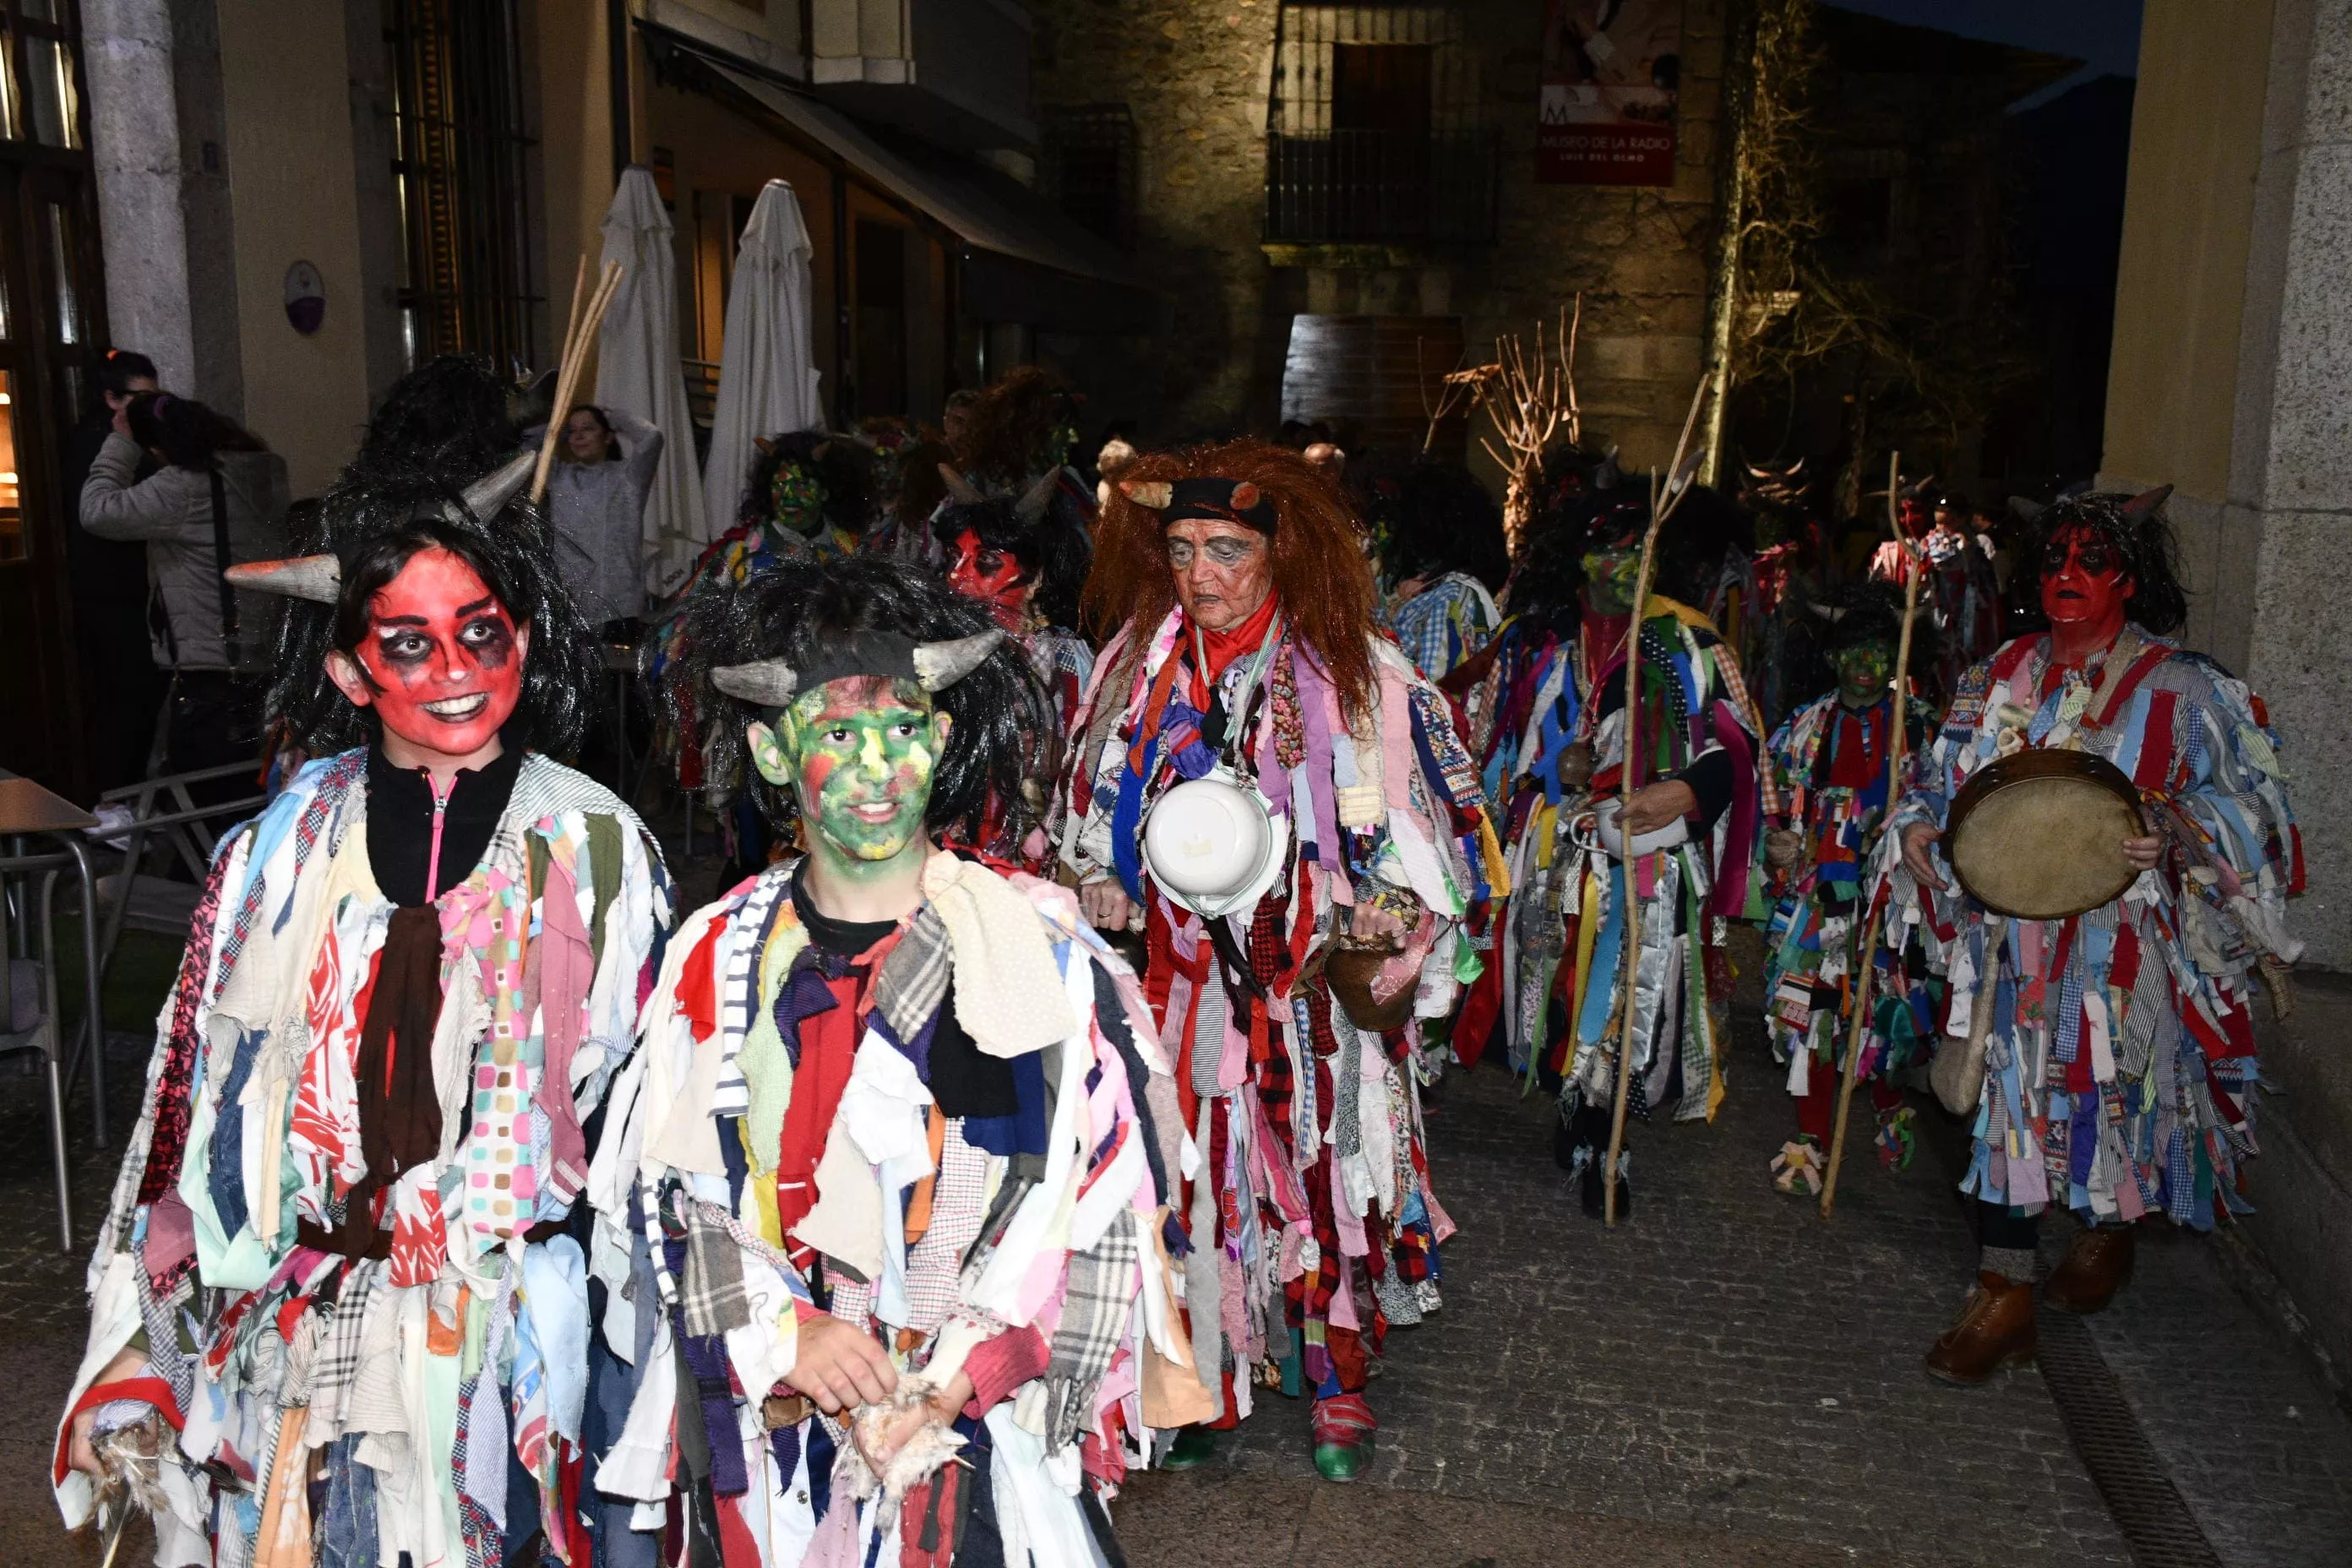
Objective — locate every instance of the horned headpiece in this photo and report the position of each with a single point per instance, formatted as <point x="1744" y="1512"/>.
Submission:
<point x="1029" y="508"/>
<point x="318" y="578"/>
<point x="933" y="666"/>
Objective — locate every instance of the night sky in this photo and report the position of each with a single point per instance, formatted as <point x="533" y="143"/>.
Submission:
<point x="2104" y="34"/>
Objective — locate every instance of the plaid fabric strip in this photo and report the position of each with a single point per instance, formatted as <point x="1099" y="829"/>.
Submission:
<point x="1096" y="1309"/>
<point x="337" y="1366"/>
<point x="712" y="1298"/>
<point x="738" y="996"/>
<point x="959" y="1205"/>
<point x="913" y="984"/>
<point x="1726" y="669"/>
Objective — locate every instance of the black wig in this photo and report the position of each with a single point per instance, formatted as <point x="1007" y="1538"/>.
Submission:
<point x="1434" y="516"/>
<point x="373" y="519"/>
<point x="1863" y="610"/>
<point x="2134" y="527"/>
<point x="1004" y="732"/>
<point x="1056" y="550"/>
<point x="454" y="407"/>
<point x="1583" y="513"/>
<point x="831" y="473"/>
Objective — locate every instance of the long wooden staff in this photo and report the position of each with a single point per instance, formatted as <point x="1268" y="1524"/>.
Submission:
<point x="1678" y="484"/>
<point x="576" y="338"/>
<point x="1899" y="737"/>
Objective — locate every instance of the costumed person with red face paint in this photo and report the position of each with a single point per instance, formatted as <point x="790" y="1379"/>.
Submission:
<point x="339" y="1295"/>
<point x="1271" y="790"/>
<point x="1026" y="561"/>
<point x="1830" y="762"/>
<point x="2108" y="1057"/>
<point x="899" y="1129"/>
<point x="1961" y="593"/>
<point x="1701" y="798"/>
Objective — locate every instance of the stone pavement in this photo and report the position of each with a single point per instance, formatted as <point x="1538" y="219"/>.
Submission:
<point x="1723" y="1380"/>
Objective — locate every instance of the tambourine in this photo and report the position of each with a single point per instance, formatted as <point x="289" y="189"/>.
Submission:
<point x="2038" y="835"/>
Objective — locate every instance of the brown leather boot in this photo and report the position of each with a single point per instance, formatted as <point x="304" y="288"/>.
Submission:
<point x="1995" y="1331"/>
<point x="2097" y="1263"/>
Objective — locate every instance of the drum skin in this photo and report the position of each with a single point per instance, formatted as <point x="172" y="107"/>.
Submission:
<point x="2039" y="834"/>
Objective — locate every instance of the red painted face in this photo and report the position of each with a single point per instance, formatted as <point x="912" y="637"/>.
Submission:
<point x="1914" y="516"/>
<point x="443" y="655"/>
<point x="2085" y="588"/>
<point x="992" y="576"/>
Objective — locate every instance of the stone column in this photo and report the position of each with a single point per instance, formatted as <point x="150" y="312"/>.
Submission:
<point x="2282" y="601"/>
<point x="158" y="142"/>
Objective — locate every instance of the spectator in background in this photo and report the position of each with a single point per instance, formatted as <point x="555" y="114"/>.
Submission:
<point x="596" y="501"/>
<point x="217" y="497"/>
<point x="109" y="579"/>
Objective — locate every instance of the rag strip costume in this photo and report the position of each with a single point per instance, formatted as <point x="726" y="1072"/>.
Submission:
<point x="2119" y="1066"/>
<point x="1830" y="760"/>
<point x="342" y="1222"/>
<point x="1563" y="943"/>
<point x="1445" y="623"/>
<point x="953" y="1131"/>
<point x="1960" y="594"/>
<point x="1310" y="1224"/>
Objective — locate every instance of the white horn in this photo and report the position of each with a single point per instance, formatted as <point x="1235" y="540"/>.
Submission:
<point x="940" y="665"/>
<point x="488" y="496"/>
<point x="960" y="489"/>
<point x="766" y="682"/>
<point x="318" y="578"/>
<point x="1031" y="507"/>
<point x="1152" y="494"/>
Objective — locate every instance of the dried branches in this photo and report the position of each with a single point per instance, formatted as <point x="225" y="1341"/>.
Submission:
<point x="1531" y="400"/>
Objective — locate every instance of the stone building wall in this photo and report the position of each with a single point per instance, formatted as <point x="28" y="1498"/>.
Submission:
<point x="1195" y="76"/>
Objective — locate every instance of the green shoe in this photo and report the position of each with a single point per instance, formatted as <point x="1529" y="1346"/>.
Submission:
<point x="1344" y="1461"/>
<point x="1193" y="1446"/>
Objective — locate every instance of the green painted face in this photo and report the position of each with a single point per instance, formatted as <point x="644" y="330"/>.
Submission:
<point x="1863" y="672"/>
<point x="859" y="754"/>
<point x="1610" y="579"/>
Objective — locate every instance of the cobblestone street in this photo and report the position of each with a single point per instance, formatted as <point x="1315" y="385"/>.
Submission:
<point x="1724" y="1378"/>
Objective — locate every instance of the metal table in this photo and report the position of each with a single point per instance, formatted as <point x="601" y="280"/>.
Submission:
<point x="27" y="811"/>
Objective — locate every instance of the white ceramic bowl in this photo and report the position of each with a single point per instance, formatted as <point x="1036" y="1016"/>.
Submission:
<point x="1612" y="839"/>
<point x="1212" y="843"/>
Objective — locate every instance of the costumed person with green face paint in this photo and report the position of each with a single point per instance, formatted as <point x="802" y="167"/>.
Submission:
<point x="1701" y="798"/>
<point x="1273" y="792"/>
<point x="1830" y="760"/>
<point x="898" y="1132"/>
<point x="339" y="1298"/>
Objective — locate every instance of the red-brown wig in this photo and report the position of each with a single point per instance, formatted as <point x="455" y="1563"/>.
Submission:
<point x="1320" y="575"/>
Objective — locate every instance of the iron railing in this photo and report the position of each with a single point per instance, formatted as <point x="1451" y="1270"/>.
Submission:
<point x="461" y="165"/>
<point x="1364" y="187"/>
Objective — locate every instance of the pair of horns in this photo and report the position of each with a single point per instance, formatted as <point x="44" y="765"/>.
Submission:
<point x="2140" y="505"/>
<point x="773" y="683"/>
<point x="1029" y="508"/>
<point x="319" y="578"/>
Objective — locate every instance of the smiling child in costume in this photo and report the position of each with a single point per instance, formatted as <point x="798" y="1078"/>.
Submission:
<point x="341" y="1268"/>
<point x="898" y="1127"/>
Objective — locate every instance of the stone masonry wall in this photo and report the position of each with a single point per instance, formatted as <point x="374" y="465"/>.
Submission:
<point x="1195" y="76"/>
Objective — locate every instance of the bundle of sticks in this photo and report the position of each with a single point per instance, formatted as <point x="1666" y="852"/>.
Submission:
<point x="587" y="315"/>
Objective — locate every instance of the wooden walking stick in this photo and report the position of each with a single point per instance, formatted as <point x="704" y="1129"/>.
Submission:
<point x="576" y="338"/>
<point x="1679" y="475"/>
<point x="1899" y="737"/>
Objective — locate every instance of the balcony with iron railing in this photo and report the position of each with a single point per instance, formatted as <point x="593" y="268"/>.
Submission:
<point x="1381" y="187"/>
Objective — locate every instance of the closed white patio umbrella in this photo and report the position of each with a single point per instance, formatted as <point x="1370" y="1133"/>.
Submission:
<point x="767" y="375"/>
<point x="637" y="368"/>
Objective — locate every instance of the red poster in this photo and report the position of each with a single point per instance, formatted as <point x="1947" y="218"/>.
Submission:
<point x="1611" y="68"/>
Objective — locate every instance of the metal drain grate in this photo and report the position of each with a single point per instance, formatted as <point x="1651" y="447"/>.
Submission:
<point x="2147" y="1508"/>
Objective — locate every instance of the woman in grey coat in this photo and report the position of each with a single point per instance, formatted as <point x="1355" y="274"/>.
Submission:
<point x="596" y="499"/>
<point x="218" y="499"/>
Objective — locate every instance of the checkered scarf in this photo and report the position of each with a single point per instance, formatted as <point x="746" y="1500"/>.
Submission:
<point x="336" y="1367"/>
<point x="1096" y="1309"/>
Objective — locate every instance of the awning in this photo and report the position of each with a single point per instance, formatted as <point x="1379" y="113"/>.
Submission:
<point x="1023" y="261"/>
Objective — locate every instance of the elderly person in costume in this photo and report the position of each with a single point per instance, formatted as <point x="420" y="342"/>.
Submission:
<point x="898" y="1132"/>
<point x="2108" y="1057"/>
<point x="1248" y="724"/>
<point x="342" y="1269"/>
<point x="1830" y="762"/>
<point x="1699" y="788"/>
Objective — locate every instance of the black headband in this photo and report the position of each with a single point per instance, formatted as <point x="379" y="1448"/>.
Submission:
<point x="1211" y="500"/>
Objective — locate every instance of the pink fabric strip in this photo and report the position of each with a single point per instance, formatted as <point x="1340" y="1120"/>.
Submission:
<point x="567" y="963"/>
